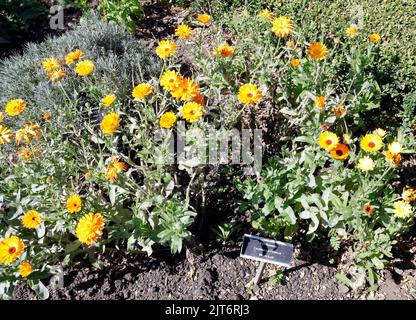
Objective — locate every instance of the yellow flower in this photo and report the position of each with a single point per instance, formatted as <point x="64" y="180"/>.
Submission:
<point x="371" y="142"/>
<point x="295" y="63"/>
<point x="167" y="120"/>
<point x="204" y="18"/>
<point x="119" y="166"/>
<point x="15" y="107"/>
<point x="25" y="269"/>
<point x="282" y="26"/>
<point x="395" y="147"/>
<point x="352" y="30"/>
<point x="5" y="135"/>
<point x="320" y="102"/>
<point x="111" y="174"/>
<point x="51" y="64"/>
<point x="328" y="140"/>
<point x="74" y="56"/>
<point x="380" y="132"/>
<point x="393" y="158"/>
<point x="141" y="91"/>
<point x="266" y="14"/>
<point x="402" y="209"/>
<point x="317" y="51"/>
<point x="108" y="100"/>
<point x="56" y="74"/>
<point x="409" y="194"/>
<point x="10" y="249"/>
<point x="89" y="228"/>
<point x="374" y="38"/>
<point x="88" y="175"/>
<point x="192" y="111"/>
<point x="27" y="132"/>
<point x="24" y="154"/>
<point x="186" y="89"/>
<point x="31" y="219"/>
<point x="47" y="117"/>
<point x="74" y="204"/>
<point x="340" y="152"/>
<point x="183" y="31"/>
<point x="249" y="94"/>
<point x="170" y="80"/>
<point x="224" y="50"/>
<point x="366" y="164"/>
<point x="166" y="49"/>
<point x="110" y="123"/>
<point x="84" y="68"/>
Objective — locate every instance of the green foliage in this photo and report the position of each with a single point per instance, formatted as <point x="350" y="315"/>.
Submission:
<point x="127" y="12"/>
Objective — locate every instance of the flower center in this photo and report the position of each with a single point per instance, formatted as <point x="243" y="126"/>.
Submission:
<point x="371" y="144"/>
<point x="12" y="250"/>
<point x="339" y="152"/>
<point x="250" y="95"/>
<point x="328" y="142"/>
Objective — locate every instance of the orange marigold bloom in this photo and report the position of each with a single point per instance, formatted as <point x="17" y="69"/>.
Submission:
<point x="339" y="110"/>
<point x="90" y="228"/>
<point x="204" y="18"/>
<point x="74" y="56"/>
<point x="110" y="123"/>
<point x="249" y="94"/>
<point x="295" y="63"/>
<point x="320" y="102"/>
<point x="183" y="31"/>
<point x="10" y="249"/>
<point x="224" y="50"/>
<point x="74" y="204"/>
<point x="141" y="91"/>
<point x="375" y="38"/>
<point x="317" y="51"/>
<point x="340" y="152"/>
<point x="187" y="89"/>
<point x="15" y="107"/>
<point x="368" y="209"/>
<point x="25" y="269"/>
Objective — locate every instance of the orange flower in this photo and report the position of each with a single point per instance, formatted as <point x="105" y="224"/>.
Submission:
<point x="295" y="63"/>
<point x="340" y="152"/>
<point x="339" y="110"/>
<point x="320" y="102"/>
<point x="186" y="89"/>
<point x="368" y="209"/>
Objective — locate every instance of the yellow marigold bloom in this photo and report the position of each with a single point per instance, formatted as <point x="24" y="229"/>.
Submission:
<point x="249" y="94"/>
<point x="192" y="111"/>
<point x="282" y="26"/>
<point x="340" y="152"/>
<point x="166" y="49"/>
<point x="380" y="132"/>
<point x="51" y="64"/>
<point x="118" y="165"/>
<point x="27" y="132"/>
<point x="5" y="135"/>
<point x="31" y="219"/>
<point x="402" y="209"/>
<point x="320" y="102"/>
<point x="328" y="140"/>
<point x="111" y="174"/>
<point x="374" y="38"/>
<point x="84" y="68"/>
<point x="24" y="154"/>
<point x="295" y="63"/>
<point x="167" y="120"/>
<point x="88" y="175"/>
<point x="393" y="158"/>
<point x="266" y="14"/>
<point x="90" y="228"/>
<point x="339" y="110"/>
<point x="366" y="164"/>
<point x="371" y="142"/>
<point x="204" y="18"/>
<point x="352" y="30"/>
<point x="10" y="249"/>
<point x="141" y="91"/>
<point x="224" y="50"/>
<point x="183" y="31"/>
<point x="187" y="89"/>
<point x="74" y="204"/>
<point x="368" y="209"/>
<point x="110" y="123"/>
<point x="74" y="56"/>
<point x="47" y="117"/>
<point x="108" y="100"/>
<point x="25" y="269"/>
<point x="395" y="147"/>
<point x="317" y="51"/>
<point x="170" y="80"/>
<point x="56" y="74"/>
<point x="409" y="194"/>
<point x="15" y="107"/>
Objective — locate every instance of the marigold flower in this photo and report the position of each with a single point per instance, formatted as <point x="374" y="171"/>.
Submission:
<point x="74" y="56"/>
<point x="170" y="80"/>
<point x="90" y="228"/>
<point x="74" y="204"/>
<point x="393" y="158"/>
<point x="199" y="98"/>
<point x="88" y="175"/>
<point x="167" y="120"/>
<point x="282" y="26"/>
<point x="25" y="269"/>
<point x="27" y="132"/>
<point x="375" y="38"/>
<point x="339" y="110"/>
<point x="368" y="209"/>
<point x="366" y="164"/>
<point x="141" y="91"/>
<point x="183" y="31"/>
<point x="352" y="30"/>
<point x="111" y="174"/>
<point x="317" y="51"/>
<point x="320" y="102"/>
<point x="328" y="140"/>
<point x="51" y="64"/>
<point x="395" y="147"/>
<point x="409" y="194"/>
<point x="10" y="249"/>
<point x="56" y="74"/>
<point x="166" y="49"/>
<point x="402" y="209"/>
<point x="204" y="18"/>
<point x="110" y="123"/>
<point x="186" y="89"/>
<point x="380" y="132"/>
<point x="192" y="111"/>
<point x="24" y="154"/>
<point x="340" y="152"/>
<point x="224" y="50"/>
<point x="15" y="107"/>
<point x="47" y="117"/>
<point x="371" y="142"/>
<point x="5" y="135"/>
<point x="119" y="166"/>
<point x="249" y="94"/>
<point x="84" y="68"/>
<point x="108" y="100"/>
<point x="31" y="219"/>
<point x="266" y="14"/>
<point x="295" y="63"/>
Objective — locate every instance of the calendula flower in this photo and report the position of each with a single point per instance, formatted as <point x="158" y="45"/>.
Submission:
<point x="110" y="123"/>
<point x="282" y="26"/>
<point x="224" y="50"/>
<point x="31" y="219"/>
<point x="409" y="195"/>
<point x="366" y="164"/>
<point x="10" y="249"/>
<point x="88" y="175"/>
<point x="27" y="132"/>
<point x="393" y="158"/>
<point x="108" y="100"/>
<point x="340" y="152"/>
<point x="187" y="89"/>
<point x="170" y="80"/>
<point x="119" y="166"/>
<point x="375" y="38"/>
<point x="74" y="56"/>
<point x="295" y="63"/>
<point x="192" y="111"/>
<point x="25" y="269"/>
<point x="320" y="102"/>
<point x="317" y="51"/>
<point x="47" y="117"/>
<point x="15" y="107"/>
<point x="183" y="31"/>
<point x="395" y="147"/>
<point x="166" y="49"/>
<point x="402" y="209"/>
<point x="352" y="30"/>
<point x="84" y="68"/>
<point x="249" y="94"/>
<point x="204" y="18"/>
<point x="371" y="143"/>
<point x="266" y="14"/>
<point x="56" y="74"/>
<point x="24" y="154"/>
<point x="368" y="209"/>
<point x="5" y="135"/>
<point x="111" y="174"/>
<point x="380" y="132"/>
<point x="141" y="91"/>
<point x="199" y="98"/>
<point x="74" y="203"/>
<point x="51" y="64"/>
<point x="339" y="110"/>
<point x="328" y="140"/>
<point x="90" y="228"/>
<point x="167" y="120"/>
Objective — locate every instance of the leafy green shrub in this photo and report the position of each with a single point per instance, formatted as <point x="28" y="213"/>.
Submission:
<point x="127" y="12"/>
